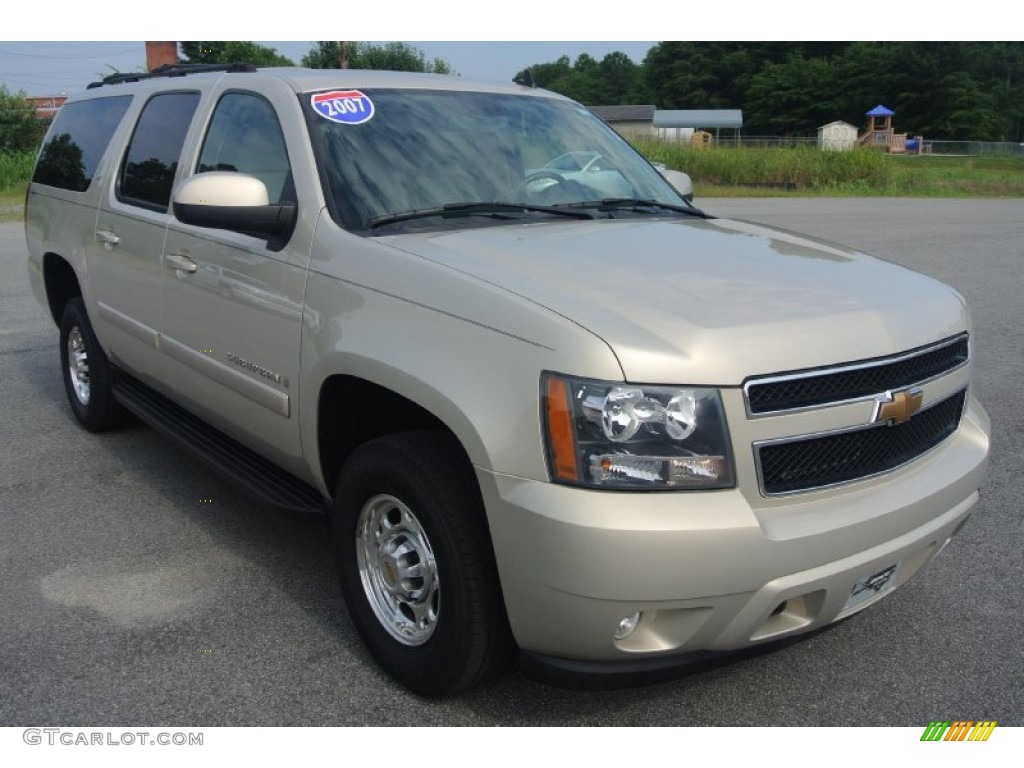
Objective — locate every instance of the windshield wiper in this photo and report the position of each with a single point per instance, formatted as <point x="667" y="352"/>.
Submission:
<point x="635" y="203"/>
<point x="470" y="209"/>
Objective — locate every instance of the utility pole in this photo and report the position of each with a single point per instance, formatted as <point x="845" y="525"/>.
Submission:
<point x="343" y="54"/>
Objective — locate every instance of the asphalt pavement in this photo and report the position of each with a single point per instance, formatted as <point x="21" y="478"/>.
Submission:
<point x="137" y="587"/>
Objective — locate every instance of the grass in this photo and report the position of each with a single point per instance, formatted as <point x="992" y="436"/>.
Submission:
<point x="957" y="176"/>
<point x="12" y="203"/>
<point x="798" y="168"/>
<point x="804" y="171"/>
<point x="15" y="169"/>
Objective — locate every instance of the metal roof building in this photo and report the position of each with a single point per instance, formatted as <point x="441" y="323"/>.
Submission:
<point x="680" y="123"/>
<point x="619" y="113"/>
<point x="698" y="118"/>
<point x="641" y="119"/>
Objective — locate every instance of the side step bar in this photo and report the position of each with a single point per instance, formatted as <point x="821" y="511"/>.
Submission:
<point x="261" y="478"/>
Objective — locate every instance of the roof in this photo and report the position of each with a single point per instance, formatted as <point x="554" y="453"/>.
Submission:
<point x="698" y="118"/>
<point x="303" y="80"/>
<point x="880" y="111"/>
<point x="619" y="113"/>
<point x="837" y="122"/>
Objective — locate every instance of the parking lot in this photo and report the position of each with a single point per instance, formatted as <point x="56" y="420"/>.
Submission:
<point x="138" y="587"/>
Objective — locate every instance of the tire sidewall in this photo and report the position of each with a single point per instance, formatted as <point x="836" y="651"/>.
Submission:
<point x="101" y="412"/>
<point x="436" y="666"/>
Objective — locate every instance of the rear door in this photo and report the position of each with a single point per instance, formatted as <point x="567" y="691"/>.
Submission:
<point x="124" y="257"/>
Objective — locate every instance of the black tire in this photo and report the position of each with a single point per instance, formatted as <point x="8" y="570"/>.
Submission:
<point x="416" y="563"/>
<point x="88" y="375"/>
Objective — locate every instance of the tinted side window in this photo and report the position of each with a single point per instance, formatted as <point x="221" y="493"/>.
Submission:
<point x="245" y="136"/>
<point x="77" y="140"/>
<point x="147" y="173"/>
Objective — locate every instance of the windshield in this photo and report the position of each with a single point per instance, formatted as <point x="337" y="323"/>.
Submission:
<point x="394" y="152"/>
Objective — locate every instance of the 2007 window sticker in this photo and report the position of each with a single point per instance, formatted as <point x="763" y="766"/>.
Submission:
<point x="346" y="107"/>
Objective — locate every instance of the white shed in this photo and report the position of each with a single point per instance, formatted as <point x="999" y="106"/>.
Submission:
<point x="839" y="136"/>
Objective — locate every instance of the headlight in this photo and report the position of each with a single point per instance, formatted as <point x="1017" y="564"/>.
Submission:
<point x="627" y="436"/>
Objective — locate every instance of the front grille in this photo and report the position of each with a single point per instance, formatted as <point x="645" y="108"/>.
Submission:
<point x="787" y="392"/>
<point x="816" y="462"/>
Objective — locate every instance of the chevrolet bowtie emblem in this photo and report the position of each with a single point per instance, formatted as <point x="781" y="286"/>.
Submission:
<point x="898" y="407"/>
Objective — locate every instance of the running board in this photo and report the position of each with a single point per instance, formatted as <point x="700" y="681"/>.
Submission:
<point x="260" y="477"/>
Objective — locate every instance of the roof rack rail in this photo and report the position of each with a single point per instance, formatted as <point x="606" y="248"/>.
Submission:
<point x="171" y="70"/>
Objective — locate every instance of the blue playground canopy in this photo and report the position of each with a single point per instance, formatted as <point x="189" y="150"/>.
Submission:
<point x="880" y="111"/>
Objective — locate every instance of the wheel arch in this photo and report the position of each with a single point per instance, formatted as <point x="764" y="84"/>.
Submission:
<point x="377" y="411"/>
<point x="61" y="283"/>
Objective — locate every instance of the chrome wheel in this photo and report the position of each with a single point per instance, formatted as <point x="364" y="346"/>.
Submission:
<point x="407" y="522"/>
<point x="87" y="374"/>
<point x="78" y="365"/>
<point x="397" y="570"/>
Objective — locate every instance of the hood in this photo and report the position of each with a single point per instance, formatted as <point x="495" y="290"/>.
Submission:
<point x="705" y="301"/>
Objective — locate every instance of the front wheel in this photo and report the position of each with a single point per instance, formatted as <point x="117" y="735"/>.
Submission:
<point x="416" y="563"/>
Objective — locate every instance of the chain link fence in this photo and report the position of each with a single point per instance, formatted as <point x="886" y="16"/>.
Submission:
<point x="951" y="148"/>
<point x="975" y="148"/>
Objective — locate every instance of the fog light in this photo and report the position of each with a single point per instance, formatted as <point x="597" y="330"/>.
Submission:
<point x="626" y="626"/>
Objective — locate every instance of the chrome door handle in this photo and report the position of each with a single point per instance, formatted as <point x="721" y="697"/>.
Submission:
<point x="181" y="262"/>
<point x="107" y="237"/>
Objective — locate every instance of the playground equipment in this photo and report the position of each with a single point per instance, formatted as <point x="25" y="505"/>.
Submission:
<point x="882" y="135"/>
<point x="700" y="139"/>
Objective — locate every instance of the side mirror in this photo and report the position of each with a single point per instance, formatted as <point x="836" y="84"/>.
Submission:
<point x="229" y="200"/>
<point x="681" y="181"/>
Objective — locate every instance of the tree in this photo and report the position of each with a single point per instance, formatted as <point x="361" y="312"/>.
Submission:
<point x="613" y="80"/>
<point x="230" y="51"/>
<point x="969" y="113"/>
<point x="942" y="90"/>
<point x="325" y="54"/>
<point x="20" y="131"/>
<point x="794" y="97"/>
<point x="687" y="75"/>
<point x="545" y="75"/>
<point x="398" y="57"/>
<point x="621" y="76"/>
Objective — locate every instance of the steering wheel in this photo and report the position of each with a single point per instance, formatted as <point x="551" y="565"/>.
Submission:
<point x="542" y="175"/>
<point x="592" y="162"/>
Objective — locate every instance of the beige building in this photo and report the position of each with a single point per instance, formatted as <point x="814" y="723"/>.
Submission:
<point x="629" y="120"/>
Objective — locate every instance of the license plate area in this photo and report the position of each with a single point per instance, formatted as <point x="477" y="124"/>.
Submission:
<point x="871" y="586"/>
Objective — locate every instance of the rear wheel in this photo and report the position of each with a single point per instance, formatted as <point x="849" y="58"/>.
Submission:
<point x="88" y="375"/>
<point x="416" y="563"/>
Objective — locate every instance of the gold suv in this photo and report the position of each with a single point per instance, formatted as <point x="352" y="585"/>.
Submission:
<point x="556" y="411"/>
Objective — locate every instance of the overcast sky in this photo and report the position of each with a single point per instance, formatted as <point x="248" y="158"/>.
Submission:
<point x="46" y="68"/>
<point x="43" y="68"/>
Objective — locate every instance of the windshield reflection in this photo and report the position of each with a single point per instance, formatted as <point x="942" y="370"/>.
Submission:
<point x="423" y="150"/>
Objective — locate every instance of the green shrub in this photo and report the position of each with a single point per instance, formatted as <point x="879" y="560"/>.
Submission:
<point x="15" y="169"/>
<point x="19" y="129"/>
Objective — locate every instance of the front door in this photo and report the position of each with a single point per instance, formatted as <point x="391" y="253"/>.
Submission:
<point x="231" y="302"/>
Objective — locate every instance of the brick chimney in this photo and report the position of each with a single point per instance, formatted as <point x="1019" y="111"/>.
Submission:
<point x="161" y="53"/>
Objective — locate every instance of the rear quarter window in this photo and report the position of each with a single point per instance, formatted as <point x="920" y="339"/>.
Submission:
<point x="77" y="140"/>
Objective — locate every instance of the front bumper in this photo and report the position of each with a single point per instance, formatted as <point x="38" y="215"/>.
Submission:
<point x="716" y="571"/>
